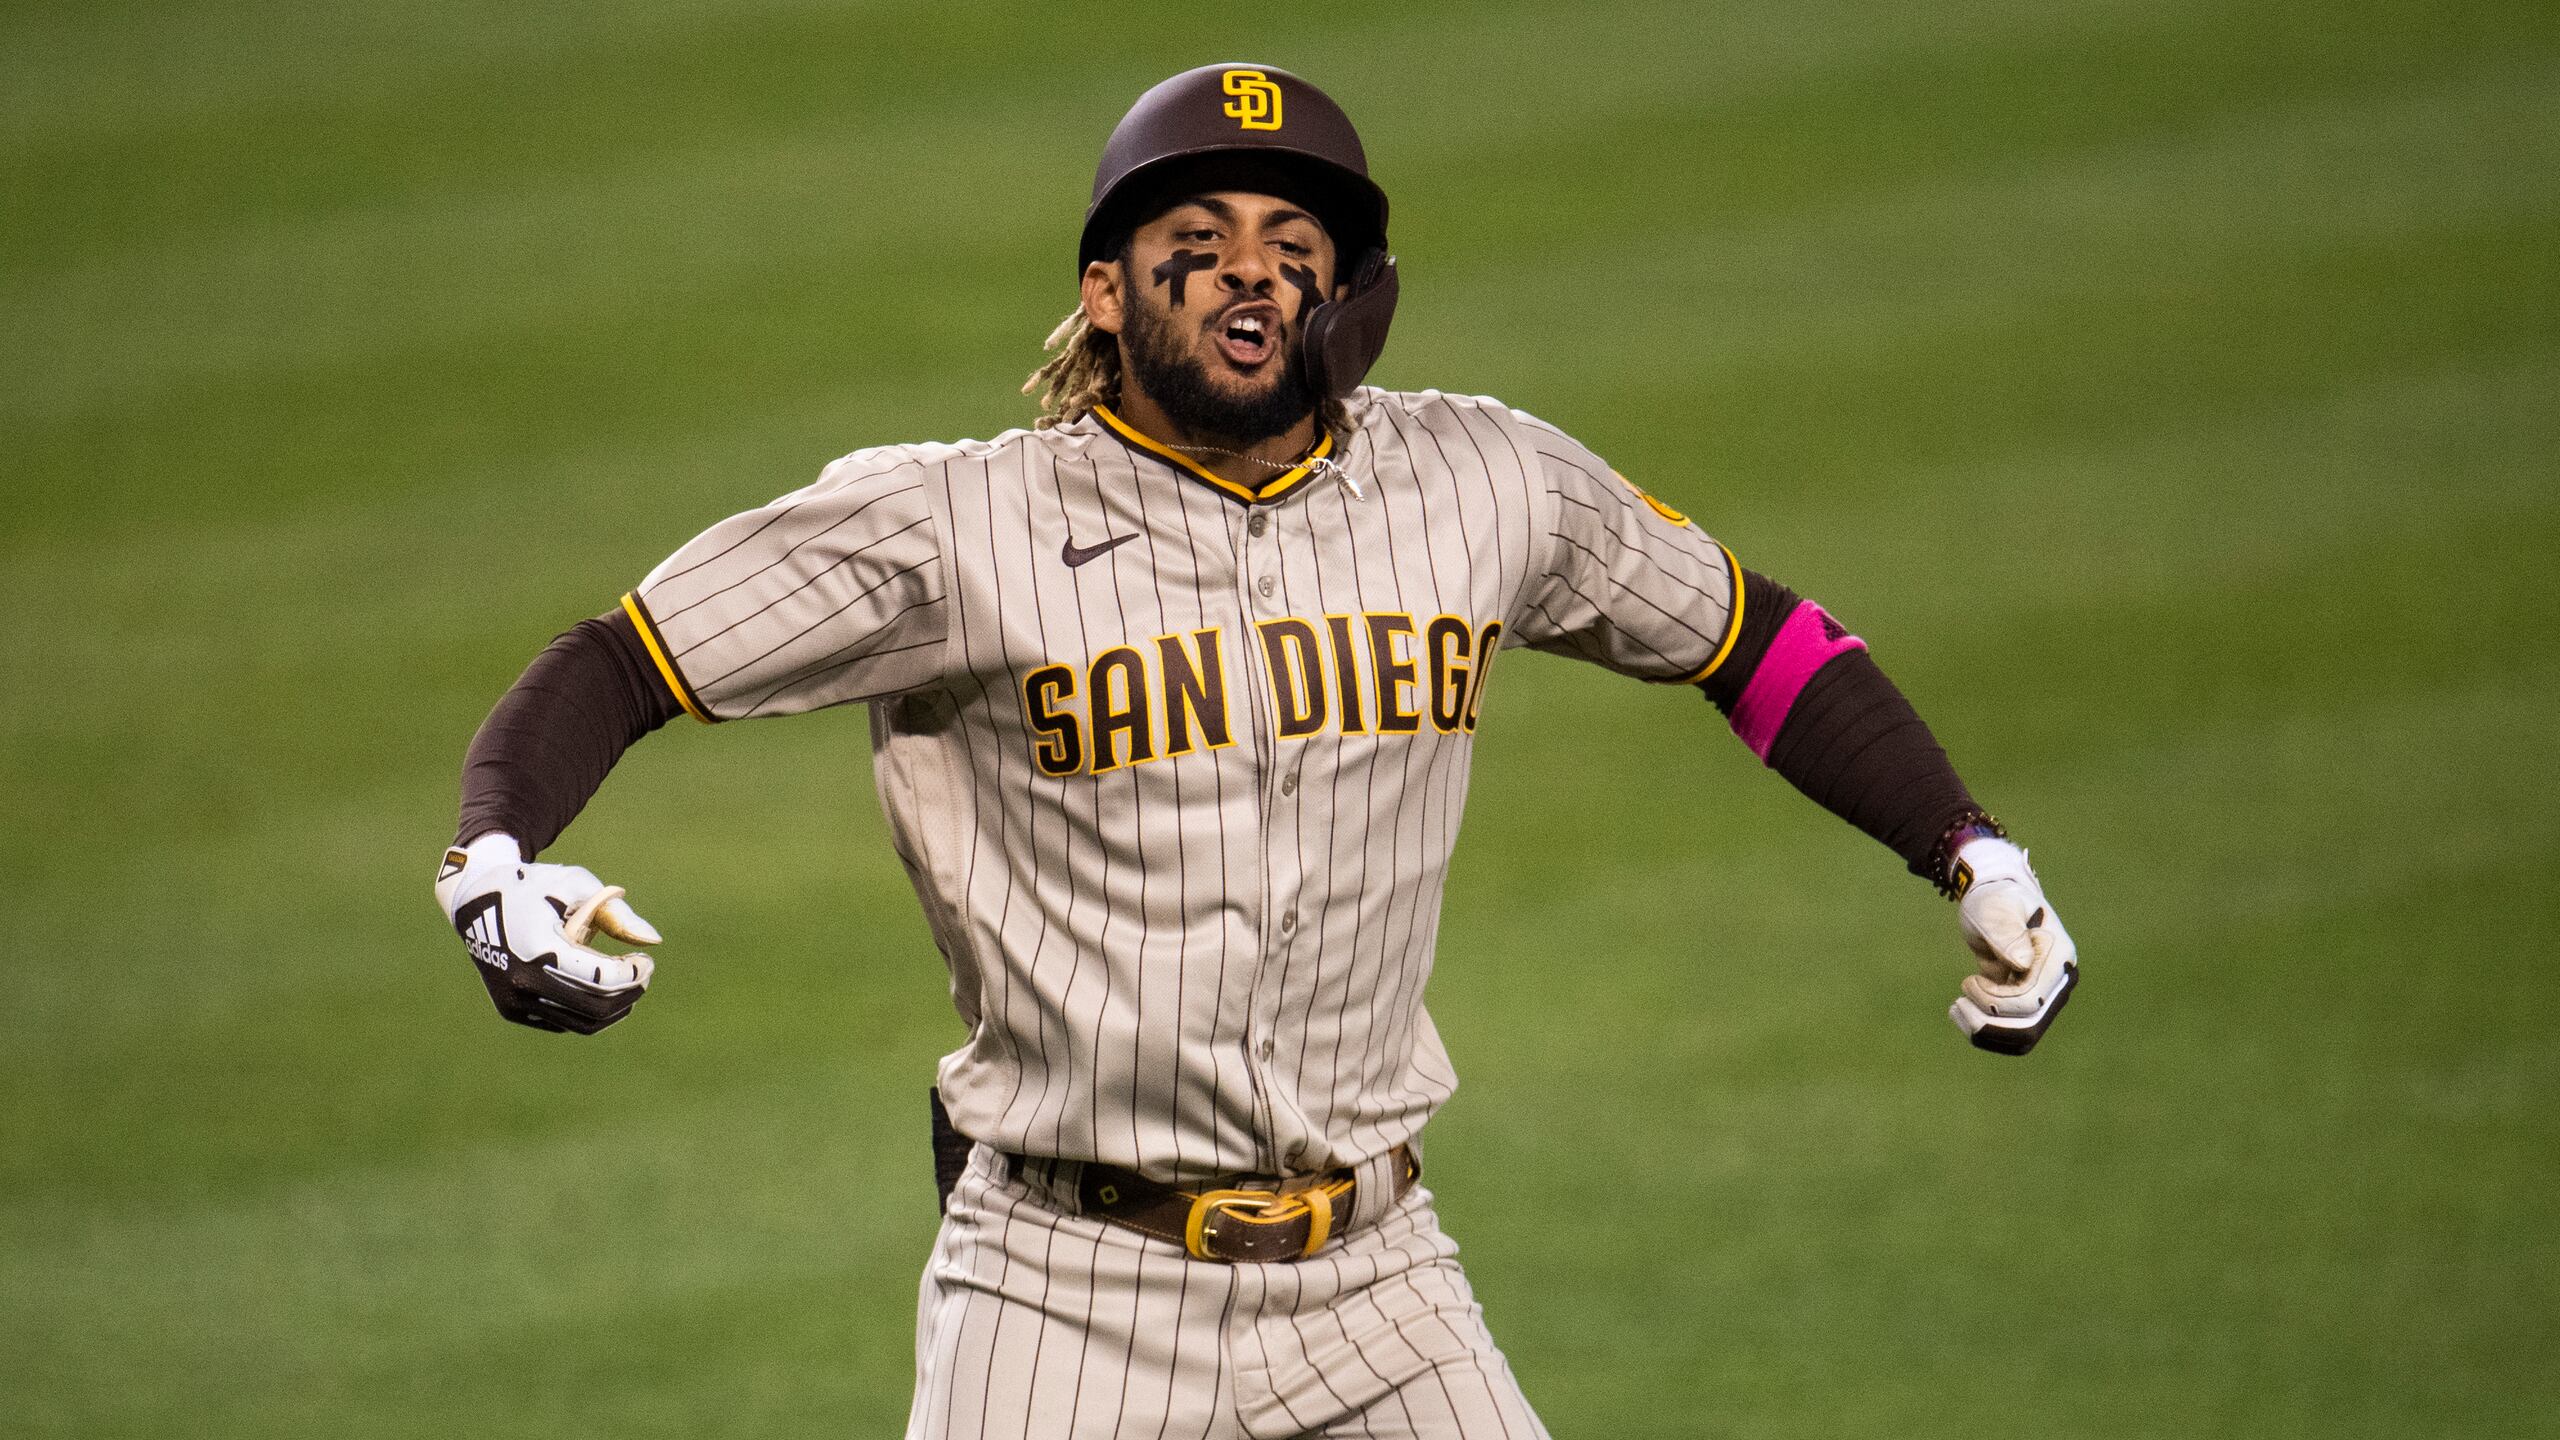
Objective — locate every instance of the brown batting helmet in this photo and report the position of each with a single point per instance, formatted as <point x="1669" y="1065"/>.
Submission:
<point x="1258" y="127"/>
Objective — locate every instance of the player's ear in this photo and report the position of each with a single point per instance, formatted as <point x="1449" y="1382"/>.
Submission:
<point x="1104" y="304"/>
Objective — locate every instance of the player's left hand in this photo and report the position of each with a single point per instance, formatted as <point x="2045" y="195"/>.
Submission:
<point x="2029" y="965"/>
<point x="527" y="927"/>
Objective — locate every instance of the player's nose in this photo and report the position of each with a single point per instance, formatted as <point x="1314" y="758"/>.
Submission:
<point x="1245" y="273"/>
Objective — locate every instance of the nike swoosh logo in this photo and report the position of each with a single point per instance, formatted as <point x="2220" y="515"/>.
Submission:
<point x="1075" y="554"/>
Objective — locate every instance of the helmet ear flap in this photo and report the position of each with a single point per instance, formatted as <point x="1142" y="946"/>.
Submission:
<point x="1346" y="336"/>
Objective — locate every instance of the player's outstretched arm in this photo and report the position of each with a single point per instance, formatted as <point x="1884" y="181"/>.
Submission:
<point x="532" y="767"/>
<point x="1807" y="698"/>
<point x="1631" y="584"/>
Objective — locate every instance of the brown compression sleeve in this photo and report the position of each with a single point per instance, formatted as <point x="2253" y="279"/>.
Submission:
<point x="1851" y="742"/>
<point x="556" y="732"/>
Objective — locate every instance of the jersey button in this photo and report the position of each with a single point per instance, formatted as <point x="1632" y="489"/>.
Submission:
<point x="1268" y="585"/>
<point x="1259" y="523"/>
<point x="1267" y="1048"/>
<point x="1289" y="783"/>
<point x="1288" y="922"/>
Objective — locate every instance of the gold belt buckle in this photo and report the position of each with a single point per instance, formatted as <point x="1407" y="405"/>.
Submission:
<point x="1261" y="1207"/>
<point x="1239" y="1203"/>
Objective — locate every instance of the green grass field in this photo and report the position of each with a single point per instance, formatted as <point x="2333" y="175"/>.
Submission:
<point x="2168" y="390"/>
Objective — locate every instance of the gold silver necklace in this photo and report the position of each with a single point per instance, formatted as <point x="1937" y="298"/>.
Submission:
<point x="1321" y="465"/>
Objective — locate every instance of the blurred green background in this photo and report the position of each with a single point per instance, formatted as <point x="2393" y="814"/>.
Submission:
<point x="2166" y="389"/>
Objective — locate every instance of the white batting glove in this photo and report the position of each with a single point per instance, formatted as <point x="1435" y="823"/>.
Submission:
<point x="527" y="926"/>
<point x="2029" y="964"/>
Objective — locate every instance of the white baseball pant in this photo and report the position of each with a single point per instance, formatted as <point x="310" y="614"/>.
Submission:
<point x="1038" y="1324"/>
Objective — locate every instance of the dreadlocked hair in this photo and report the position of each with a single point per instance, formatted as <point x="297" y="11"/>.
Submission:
<point x="1084" y="371"/>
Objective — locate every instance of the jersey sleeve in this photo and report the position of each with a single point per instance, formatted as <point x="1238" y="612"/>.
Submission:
<point x="833" y="593"/>
<point x="1624" y="581"/>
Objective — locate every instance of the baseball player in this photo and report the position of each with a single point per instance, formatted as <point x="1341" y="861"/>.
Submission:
<point x="1172" y="699"/>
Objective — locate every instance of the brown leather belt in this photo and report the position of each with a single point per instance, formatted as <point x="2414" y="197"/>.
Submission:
<point x="1237" y="1225"/>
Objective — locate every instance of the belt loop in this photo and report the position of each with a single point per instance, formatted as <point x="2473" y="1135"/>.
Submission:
<point x="1376" y="1192"/>
<point x="1061" y="1179"/>
<point x="1056" y="1182"/>
<point x="1064" y="1180"/>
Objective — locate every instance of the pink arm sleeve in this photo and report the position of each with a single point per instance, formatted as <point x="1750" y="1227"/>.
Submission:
<point x="1804" y="644"/>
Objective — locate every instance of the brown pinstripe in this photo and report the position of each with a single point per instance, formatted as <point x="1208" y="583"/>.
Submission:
<point x="1039" y="1323"/>
<point x="1186" y="964"/>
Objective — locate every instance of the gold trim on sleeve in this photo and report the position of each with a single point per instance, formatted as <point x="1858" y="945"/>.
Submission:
<point x="1733" y="572"/>
<point x="648" y="629"/>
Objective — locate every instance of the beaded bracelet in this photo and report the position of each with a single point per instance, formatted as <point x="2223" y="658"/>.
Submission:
<point x="1973" y="824"/>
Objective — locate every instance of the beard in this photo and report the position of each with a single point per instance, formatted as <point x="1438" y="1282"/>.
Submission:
<point x="1164" y="359"/>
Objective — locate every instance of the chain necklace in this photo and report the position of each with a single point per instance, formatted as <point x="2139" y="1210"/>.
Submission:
<point x="1321" y="465"/>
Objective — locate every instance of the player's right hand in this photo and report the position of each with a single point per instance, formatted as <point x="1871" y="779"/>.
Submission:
<point x="2029" y="964"/>
<point x="527" y="926"/>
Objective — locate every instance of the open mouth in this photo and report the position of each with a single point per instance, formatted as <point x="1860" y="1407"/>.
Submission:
<point x="1248" y="335"/>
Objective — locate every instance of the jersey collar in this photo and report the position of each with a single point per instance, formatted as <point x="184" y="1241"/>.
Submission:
<point x="1271" y="489"/>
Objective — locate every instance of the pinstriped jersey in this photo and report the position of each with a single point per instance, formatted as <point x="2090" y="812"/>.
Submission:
<point x="1176" y="764"/>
